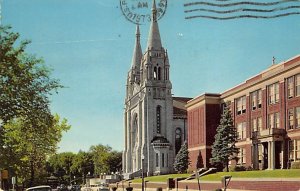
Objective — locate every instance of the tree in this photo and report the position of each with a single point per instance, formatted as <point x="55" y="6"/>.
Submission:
<point x="60" y="165"/>
<point x="83" y="164"/>
<point x="28" y="130"/>
<point x="27" y="145"/>
<point x="223" y="149"/>
<point x="115" y="161"/>
<point x="101" y="154"/>
<point x="199" y="163"/>
<point x="182" y="160"/>
<point x="25" y="84"/>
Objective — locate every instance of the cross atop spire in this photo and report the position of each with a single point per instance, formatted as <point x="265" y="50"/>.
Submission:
<point x="154" y="41"/>
<point x="137" y="33"/>
<point x="154" y="11"/>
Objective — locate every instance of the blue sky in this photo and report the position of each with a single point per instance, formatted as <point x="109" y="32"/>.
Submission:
<point x="89" y="46"/>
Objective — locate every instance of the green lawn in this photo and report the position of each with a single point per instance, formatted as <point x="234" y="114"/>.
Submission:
<point x="218" y="176"/>
<point x="255" y="174"/>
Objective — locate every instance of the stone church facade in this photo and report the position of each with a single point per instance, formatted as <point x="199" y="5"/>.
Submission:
<point x="155" y="121"/>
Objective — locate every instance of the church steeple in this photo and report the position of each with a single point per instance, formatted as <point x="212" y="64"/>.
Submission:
<point x="137" y="52"/>
<point x="136" y="58"/>
<point x="154" y="41"/>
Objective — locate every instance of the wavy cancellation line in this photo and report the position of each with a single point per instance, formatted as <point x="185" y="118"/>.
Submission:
<point x="243" y="16"/>
<point x="227" y="9"/>
<point x="243" y="10"/>
<point x="218" y="4"/>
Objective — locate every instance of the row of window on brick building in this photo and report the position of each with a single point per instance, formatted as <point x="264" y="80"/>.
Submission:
<point x="293" y="90"/>
<point x="273" y="121"/>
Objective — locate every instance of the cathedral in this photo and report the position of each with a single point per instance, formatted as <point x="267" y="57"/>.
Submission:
<point x="155" y="121"/>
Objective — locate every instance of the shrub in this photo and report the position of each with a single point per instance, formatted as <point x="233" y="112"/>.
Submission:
<point x="237" y="168"/>
<point x="295" y="165"/>
<point x="190" y="171"/>
<point x="229" y="169"/>
<point x="249" y="168"/>
<point x="240" y="168"/>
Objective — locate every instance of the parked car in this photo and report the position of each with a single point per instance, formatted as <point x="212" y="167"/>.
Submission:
<point x="39" y="188"/>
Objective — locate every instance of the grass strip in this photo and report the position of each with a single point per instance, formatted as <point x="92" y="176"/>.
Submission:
<point x="284" y="173"/>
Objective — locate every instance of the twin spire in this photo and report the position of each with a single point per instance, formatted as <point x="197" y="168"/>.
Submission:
<point x="137" y="52"/>
<point x="154" y="41"/>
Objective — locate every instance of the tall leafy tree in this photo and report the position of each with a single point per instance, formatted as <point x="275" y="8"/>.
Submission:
<point x="101" y="155"/>
<point x="28" y="130"/>
<point x="83" y="164"/>
<point x="115" y="161"/>
<point x="182" y="160"/>
<point x="223" y="149"/>
<point x="60" y="165"/>
<point x="25" y="83"/>
<point x="26" y="146"/>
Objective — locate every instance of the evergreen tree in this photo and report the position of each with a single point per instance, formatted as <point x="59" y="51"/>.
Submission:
<point x="223" y="149"/>
<point x="182" y="161"/>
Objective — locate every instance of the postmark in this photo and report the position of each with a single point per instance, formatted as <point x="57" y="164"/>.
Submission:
<point x="139" y="11"/>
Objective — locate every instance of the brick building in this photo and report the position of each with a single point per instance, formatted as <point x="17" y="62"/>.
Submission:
<point x="266" y="113"/>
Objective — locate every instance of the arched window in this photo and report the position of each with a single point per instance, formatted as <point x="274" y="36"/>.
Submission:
<point x="159" y="73"/>
<point x="158" y="120"/>
<point x="178" y="137"/>
<point x="155" y="73"/>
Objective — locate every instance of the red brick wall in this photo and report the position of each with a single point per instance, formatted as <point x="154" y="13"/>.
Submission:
<point x="293" y="102"/>
<point x="213" y="114"/>
<point x="258" y="185"/>
<point x="193" y="158"/>
<point x="204" y="159"/>
<point x="291" y="62"/>
<point x="282" y="96"/>
<point x="196" y="126"/>
<point x="264" y="109"/>
<point x="243" y="185"/>
<point x="265" y="185"/>
<point x="248" y="155"/>
<point x="202" y="124"/>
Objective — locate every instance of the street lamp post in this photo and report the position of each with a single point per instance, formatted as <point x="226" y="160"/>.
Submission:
<point x="143" y="181"/>
<point x="226" y="180"/>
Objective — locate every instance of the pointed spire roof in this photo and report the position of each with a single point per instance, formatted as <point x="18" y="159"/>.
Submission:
<point x="154" y="40"/>
<point x="137" y="52"/>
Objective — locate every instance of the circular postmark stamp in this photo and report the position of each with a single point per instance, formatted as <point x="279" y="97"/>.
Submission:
<point x="139" y="11"/>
